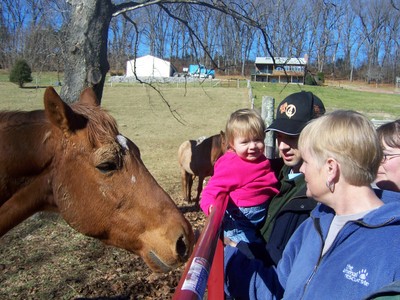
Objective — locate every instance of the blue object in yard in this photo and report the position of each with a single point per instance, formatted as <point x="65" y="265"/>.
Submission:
<point x="200" y="71"/>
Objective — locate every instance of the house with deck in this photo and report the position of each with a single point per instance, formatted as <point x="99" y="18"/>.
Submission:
<point x="280" y="69"/>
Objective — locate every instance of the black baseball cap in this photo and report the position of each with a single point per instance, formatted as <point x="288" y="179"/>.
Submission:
<point x="295" y="111"/>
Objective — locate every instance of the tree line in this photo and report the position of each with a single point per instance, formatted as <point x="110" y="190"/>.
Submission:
<point x="356" y="39"/>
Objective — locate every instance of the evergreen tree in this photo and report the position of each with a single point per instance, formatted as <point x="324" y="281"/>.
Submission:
<point x="21" y="73"/>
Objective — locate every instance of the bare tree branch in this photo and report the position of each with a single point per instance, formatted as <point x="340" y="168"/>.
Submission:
<point x="394" y="5"/>
<point x="217" y="5"/>
<point x="173" y="112"/>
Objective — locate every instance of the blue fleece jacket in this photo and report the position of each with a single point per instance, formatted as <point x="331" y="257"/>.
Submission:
<point x="363" y="258"/>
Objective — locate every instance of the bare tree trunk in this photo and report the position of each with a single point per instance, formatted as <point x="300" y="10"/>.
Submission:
<point x="86" y="61"/>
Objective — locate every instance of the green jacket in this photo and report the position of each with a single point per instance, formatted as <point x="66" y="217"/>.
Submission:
<point x="286" y="211"/>
<point x="389" y="292"/>
<point x="291" y="191"/>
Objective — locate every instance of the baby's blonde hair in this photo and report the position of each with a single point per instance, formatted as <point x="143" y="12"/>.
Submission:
<point x="245" y="123"/>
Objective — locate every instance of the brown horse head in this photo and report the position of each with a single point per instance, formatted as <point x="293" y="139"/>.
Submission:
<point x="73" y="160"/>
<point x="218" y="147"/>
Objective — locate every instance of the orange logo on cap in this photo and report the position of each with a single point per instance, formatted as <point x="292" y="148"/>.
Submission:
<point x="282" y="108"/>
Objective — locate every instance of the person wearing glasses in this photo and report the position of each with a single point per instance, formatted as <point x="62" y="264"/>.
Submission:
<point x="388" y="177"/>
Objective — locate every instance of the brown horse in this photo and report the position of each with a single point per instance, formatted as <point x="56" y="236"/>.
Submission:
<point x="72" y="160"/>
<point x="197" y="158"/>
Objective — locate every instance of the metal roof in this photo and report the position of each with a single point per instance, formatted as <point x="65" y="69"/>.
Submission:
<point x="281" y="61"/>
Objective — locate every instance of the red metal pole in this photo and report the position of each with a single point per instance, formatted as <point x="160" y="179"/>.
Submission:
<point x="193" y="282"/>
<point x="215" y="285"/>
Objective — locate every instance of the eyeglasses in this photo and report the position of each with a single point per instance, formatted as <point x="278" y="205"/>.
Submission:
<point x="387" y="157"/>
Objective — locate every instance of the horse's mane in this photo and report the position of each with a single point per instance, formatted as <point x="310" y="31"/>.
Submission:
<point x="101" y="125"/>
<point x="18" y="117"/>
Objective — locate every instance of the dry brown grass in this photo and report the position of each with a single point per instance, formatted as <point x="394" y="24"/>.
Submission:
<point x="145" y="119"/>
<point x="363" y="86"/>
<point x="43" y="258"/>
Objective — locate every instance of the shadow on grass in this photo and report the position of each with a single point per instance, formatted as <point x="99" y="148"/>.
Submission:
<point x="106" y="298"/>
<point x="189" y="208"/>
<point x="35" y="223"/>
<point x="35" y="87"/>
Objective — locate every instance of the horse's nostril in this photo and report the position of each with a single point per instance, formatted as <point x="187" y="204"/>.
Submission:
<point x="181" y="247"/>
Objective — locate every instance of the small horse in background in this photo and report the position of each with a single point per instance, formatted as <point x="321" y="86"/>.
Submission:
<point x="197" y="158"/>
<point x="71" y="159"/>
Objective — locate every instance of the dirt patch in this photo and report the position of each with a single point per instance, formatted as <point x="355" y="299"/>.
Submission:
<point x="363" y="86"/>
<point x="43" y="258"/>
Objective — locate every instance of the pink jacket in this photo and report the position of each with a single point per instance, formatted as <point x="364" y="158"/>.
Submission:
<point x="248" y="183"/>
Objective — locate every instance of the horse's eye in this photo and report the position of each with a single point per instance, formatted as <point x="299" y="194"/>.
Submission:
<point x="107" y="167"/>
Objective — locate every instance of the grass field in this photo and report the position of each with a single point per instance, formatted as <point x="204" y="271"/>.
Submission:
<point x="158" y="125"/>
<point x="43" y="258"/>
<point x="377" y="102"/>
<point x="381" y="103"/>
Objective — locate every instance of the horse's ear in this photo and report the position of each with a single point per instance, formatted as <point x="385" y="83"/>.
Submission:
<point x="222" y="134"/>
<point x="88" y="96"/>
<point x="224" y="145"/>
<point x="59" y="113"/>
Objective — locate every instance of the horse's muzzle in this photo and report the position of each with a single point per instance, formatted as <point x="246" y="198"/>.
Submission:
<point x="183" y="250"/>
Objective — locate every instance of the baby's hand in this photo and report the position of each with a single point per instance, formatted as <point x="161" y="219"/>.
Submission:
<point x="228" y="241"/>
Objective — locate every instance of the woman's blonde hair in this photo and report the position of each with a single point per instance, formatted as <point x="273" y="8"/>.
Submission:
<point x="245" y="123"/>
<point x="350" y="138"/>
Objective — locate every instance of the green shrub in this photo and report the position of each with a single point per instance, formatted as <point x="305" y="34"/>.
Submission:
<point x="310" y="80"/>
<point x="21" y="73"/>
<point x="320" y="78"/>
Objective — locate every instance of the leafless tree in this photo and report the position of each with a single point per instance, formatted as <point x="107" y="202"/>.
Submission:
<point x="324" y="22"/>
<point x="374" y="17"/>
<point x="83" y="38"/>
<point x="86" y="56"/>
<point x="120" y="45"/>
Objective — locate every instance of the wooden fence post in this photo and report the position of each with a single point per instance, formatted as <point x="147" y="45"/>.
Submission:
<point x="267" y="113"/>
